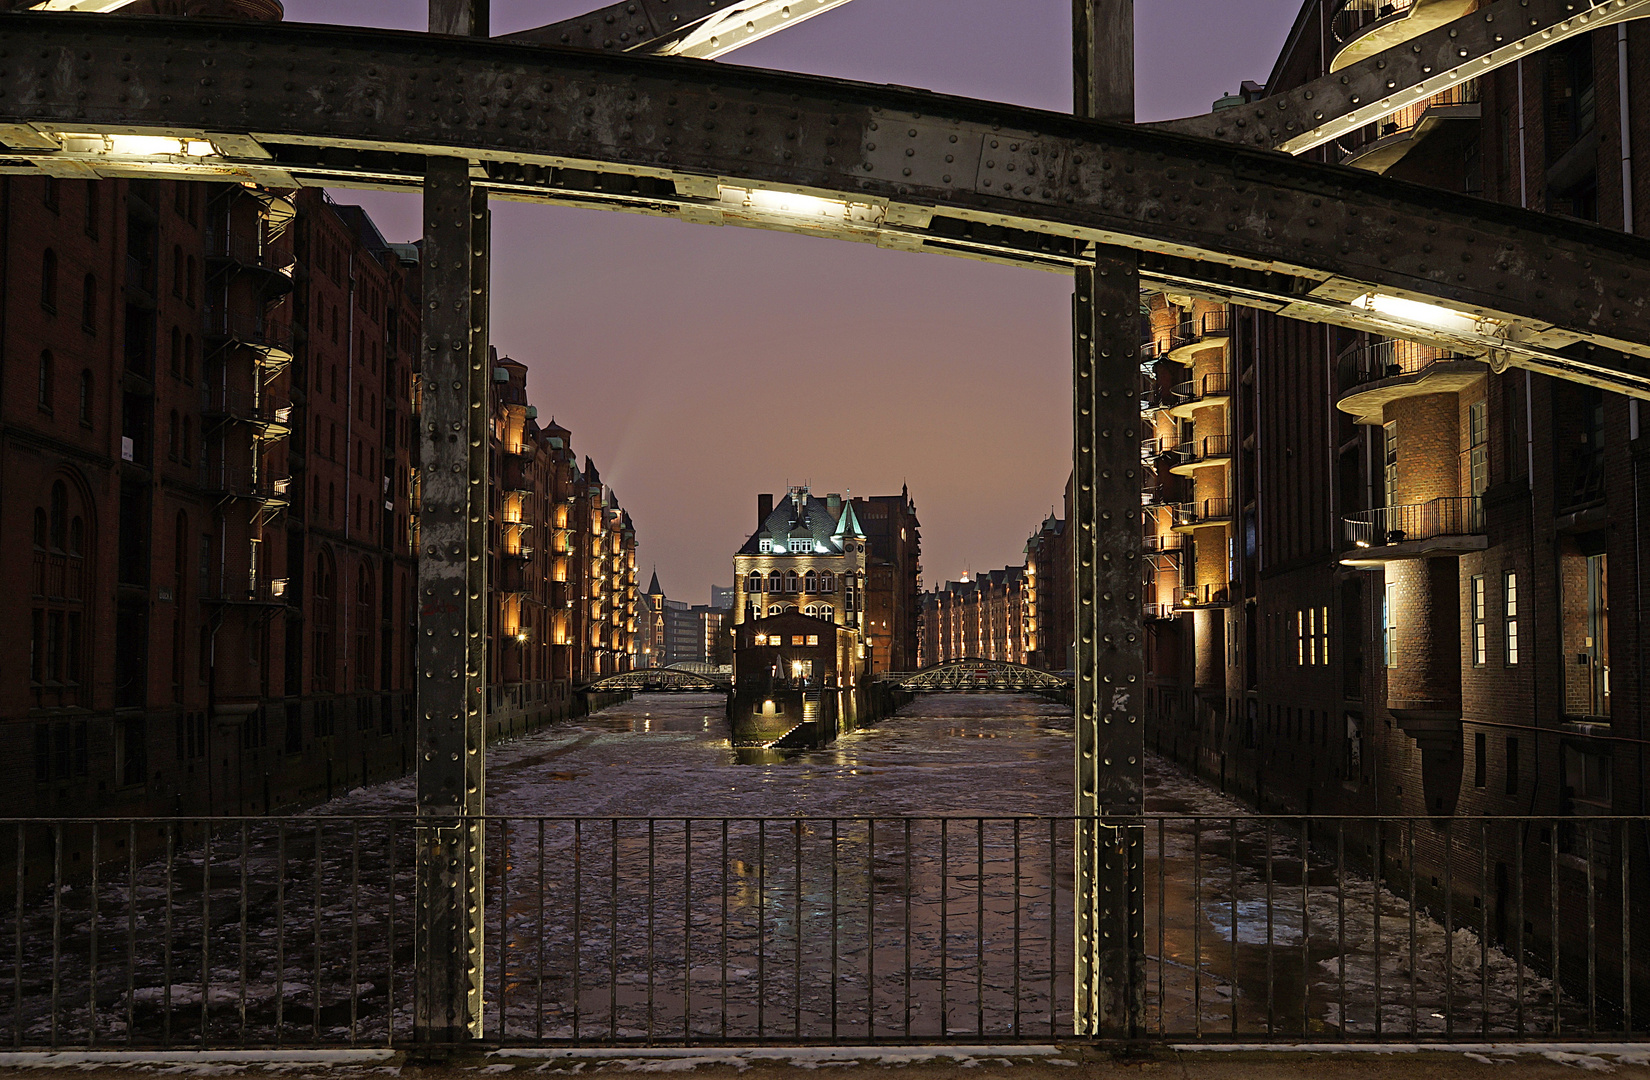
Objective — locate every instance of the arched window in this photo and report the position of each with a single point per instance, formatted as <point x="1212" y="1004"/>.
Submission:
<point x="177" y="270"/>
<point x="48" y="280"/>
<point x="332" y="502"/>
<point x="776" y="581"/>
<point x="88" y="304"/>
<point x="315" y="500"/>
<point x="77" y="536"/>
<point x="60" y="515"/>
<point x="774" y="609"/>
<point x="46" y="376"/>
<point x="189" y="358"/>
<point x="827" y="582"/>
<point x="811" y="609"/>
<point x="754" y="583"/>
<point x="177" y="353"/>
<point x="810" y="582"/>
<point x="86" y="397"/>
<point x="827" y="612"/>
<point x="40" y="526"/>
<point x="790" y="581"/>
<point x="188" y="440"/>
<point x="172" y="436"/>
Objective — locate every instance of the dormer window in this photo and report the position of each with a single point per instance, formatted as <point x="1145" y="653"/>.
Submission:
<point x="801" y="547"/>
<point x="765" y="547"/>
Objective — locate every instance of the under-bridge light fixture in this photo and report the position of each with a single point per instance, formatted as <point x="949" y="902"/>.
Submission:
<point x="1419" y="313"/>
<point x="149" y="146"/>
<point x="787" y="204"/>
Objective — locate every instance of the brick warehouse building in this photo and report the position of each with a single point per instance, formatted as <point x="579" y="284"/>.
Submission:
<point x="208" y="402"/>
<point x="1425" y="595"/>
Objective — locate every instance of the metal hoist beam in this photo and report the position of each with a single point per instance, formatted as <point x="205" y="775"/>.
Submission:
<point x="1109" y="661"/>
<point x="452" y="589"/>
<point x="1407" y="74"/>
<point x="703" y="29"/>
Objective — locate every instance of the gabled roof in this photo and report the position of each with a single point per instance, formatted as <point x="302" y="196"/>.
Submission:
<point x="848" y="524"/>
<point x="801" y="515"/>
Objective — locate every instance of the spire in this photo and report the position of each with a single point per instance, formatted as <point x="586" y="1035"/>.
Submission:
<point x="848" y="523"/>
<point x="653" y="589"/>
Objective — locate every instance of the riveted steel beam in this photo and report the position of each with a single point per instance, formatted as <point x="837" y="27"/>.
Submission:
<point x="1407" y="74"/>
<point x="877" y="164"/>
<point x="703" y="29"/>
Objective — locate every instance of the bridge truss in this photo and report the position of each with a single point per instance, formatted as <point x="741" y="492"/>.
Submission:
<point x="977" y="677"/>
<point x="612" y="111"/>
<point x="660" y="681"/>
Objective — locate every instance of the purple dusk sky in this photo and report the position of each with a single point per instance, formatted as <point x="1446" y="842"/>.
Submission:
<point x="701" y="366"/>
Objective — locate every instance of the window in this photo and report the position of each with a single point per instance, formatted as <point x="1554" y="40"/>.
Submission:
<point x="48" y="280"/>
<point x="172" y="436"/>
<point x="86" y="397"/>
<point x="774" y="609"/>
<point x="177" y="271"/>
<point x="188" y="440"/>
<point x="827" y="582"/>
<point x="1478" y="449"/>
<point x="801" y="547"/>
<point x="791" y="581"/>
<point x="810" y="582"/>
<point x="177" y="353"/>
<point x="189" y="358"/>
<point x="776" y="582"/>
<point x="189" y="280"/>
<point x="1389" y="625"/>
<point x="1389" y="439"/>
<point x="1300" y="639"/>
<point x="44" y="398"/>
<point x="811" y="609"/>
<point x="1480" y="627"/>
<point x="1509" y="586"/>
<point x="826" y="611"/>
<point x="753" y="584"/>
<point x="88" y="305"/>
<point x="813" y="639"/>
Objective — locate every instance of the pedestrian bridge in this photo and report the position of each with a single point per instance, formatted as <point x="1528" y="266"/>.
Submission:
<point x="968" y="676"/>
<point x="671" y="680"/>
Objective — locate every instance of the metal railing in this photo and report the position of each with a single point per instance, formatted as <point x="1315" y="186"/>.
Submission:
<point x="677" y="931"/>
<point x="1214" y="384"/>
<point x="1416" y="521"/>
<point x="244" y="481"/>
<point x="246" y="589"/>
<point x="1210" y="510"/>
<point x="1203" y="595"/>
<point x="1389" y="360"/>
<point x="1354" y="16"/>
<point x="1407" y="118"/>
<point x="247" y="330"/>
<point x="1208" y="448"/>
<point x="1191" y="329"/>
<point x="240" y="404"/>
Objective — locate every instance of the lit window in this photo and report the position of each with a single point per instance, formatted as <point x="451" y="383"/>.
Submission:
<point x="761" y="639"/>
<point x="1389" y="625"/>
<point x="1480" y="628"/>
<point x="801" y="547"/>
<point x="813" y="639"/>
<point x="827" y="583"/>
<point x="1510" y="587"/>
<point x="765" y="547"/>
<point x="1323" y="636"/>
<point x="797" y="639"/>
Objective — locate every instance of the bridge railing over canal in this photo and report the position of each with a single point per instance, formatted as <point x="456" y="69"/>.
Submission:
<point x="299" y="932"/>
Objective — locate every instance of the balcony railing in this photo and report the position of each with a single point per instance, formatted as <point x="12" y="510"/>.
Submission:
<point x="1418" y="521"/>
<point x="1389" y="360"/>
<point x="245" y="482"/>
<point x="1208" y="448"/>
<point x="247" y="251"/>
<point x="1356" y="16"/>
<point x="1407" y="118"/>
<point x="248" y="589"/>
<point x="1207" y="512"/>
<point x="1216" y="384"/>
<point x="243" y="405"/>
<point x="1156" y="542"/>
<point x="1192" y="596"/>
<point x="247" y="330"/>
<point x="1192" y="329"/>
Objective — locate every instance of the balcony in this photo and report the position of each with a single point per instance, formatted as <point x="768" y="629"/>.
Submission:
<point x="1158" y="612"/>
<point x="1442" y="527"/>
<point x="1196" y="515"/>
<point x="1193" y="334"/>
<point x="1372" y="376"/>
<point x="242" y="406"/>
<point x="1192" y="597"/>
<point x="1363" y="28"/>
<point x="1379" y="146"/>
<point x="245" y="590"/>
<point x="245" y="482"/>
<point x="1201" y="453"/>
<point x="1212" y="389"/>
<point x="247" y="254"/>
<point x="272" y="341"/>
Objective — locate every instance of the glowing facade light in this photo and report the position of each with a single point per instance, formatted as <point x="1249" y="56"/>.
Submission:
<point x="787" y="204"/>
<point x="1418" y="313"/>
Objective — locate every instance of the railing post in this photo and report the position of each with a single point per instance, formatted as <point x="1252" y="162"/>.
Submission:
<point x="452" y="591"/>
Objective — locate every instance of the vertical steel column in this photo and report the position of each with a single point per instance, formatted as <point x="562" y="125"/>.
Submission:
<point x="1110" y="652"/>
<point x="452" y="590"/>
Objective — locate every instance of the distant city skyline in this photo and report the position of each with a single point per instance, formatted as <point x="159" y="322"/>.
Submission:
<point x="649" y="338"/>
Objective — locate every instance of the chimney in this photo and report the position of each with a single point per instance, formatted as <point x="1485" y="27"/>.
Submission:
<point x="764" y="507"/>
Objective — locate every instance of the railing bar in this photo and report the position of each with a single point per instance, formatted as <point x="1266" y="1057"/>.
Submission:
<point x="1375" y="920"/>
<point x="1626" y="931"/>
<point x="687" y="932"/>
<point x="91" y="950"/>
<point x="1592" y="937"/>
<point x="651" y="905"/>
<point x="1232" y="899"/>
<point x="1271" y="956"/>
<point x="1197" y="926"/>
<point x="1449" y="929"/>
<point x="833" y="927"/>
<point x="17" y="944"/>
<point x="1552" y="922"/>
<point x="206" y="928"/>
<point x="1518" y="926"/>
<point x="979" y="927"/>
<point x="725" y="929"/>
<point x="613" y="943"/>
<point x="354" y="932"/>
<point x="870" y="928"/>
<point x="166" y="995"/>
<point x="1016" y="839"/>
<point x="1484" y="927"/>
<point x="131" y="923"/>
<point x="1340" y="923"/>
<point x="907" y="889"/>
<point x="578" y="928"/>
<point x="538" y="951"/>
<point x="1414" y="907"/>
<point x="241" y="933"/>
<point x="761" y="925"/>
<point x="389" y="964"/>
<point x="945" y="928"/>
<point x="57" y="924"/>
<point x="503" y="928"/>
<point x="315" y="904"/>
<point x="1162" y="912"/>
<point x="1053" y="924"/>
<point x="1306" y="925"/>
<point x="797" y="961"/>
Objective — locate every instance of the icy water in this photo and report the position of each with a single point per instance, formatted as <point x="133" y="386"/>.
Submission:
<point x="647" y="881"/>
